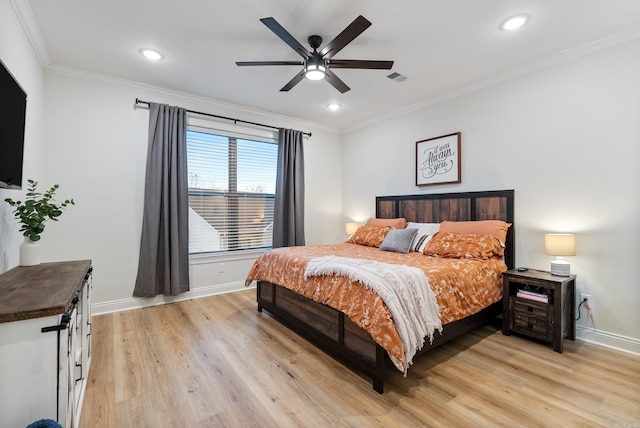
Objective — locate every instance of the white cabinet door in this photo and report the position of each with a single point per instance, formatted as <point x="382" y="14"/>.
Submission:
<point x="28" y="371"/>
<point x="68" y="393"/>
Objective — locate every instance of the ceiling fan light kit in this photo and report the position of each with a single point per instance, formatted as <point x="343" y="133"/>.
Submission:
<point x="315" y="72"/>
<point x="317" y="65"/>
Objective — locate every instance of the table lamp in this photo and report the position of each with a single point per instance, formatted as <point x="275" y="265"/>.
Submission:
<point x="351" y="228"/>
<point x="560" y="245"/>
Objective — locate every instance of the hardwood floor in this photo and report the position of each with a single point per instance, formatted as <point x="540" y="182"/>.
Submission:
<point x="217" y="362"/>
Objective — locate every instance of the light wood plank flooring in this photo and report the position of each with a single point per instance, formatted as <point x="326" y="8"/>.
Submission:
<point x="217" y="362"/>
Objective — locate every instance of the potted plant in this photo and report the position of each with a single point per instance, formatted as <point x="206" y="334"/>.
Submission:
<point x="33" y="213"/>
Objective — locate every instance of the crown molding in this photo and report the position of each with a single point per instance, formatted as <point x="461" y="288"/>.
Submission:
<point x="28" y="22"/>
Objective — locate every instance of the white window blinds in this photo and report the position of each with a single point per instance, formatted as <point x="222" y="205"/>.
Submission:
<point x="232" y="180"/>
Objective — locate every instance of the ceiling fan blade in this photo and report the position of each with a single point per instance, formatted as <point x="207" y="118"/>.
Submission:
<point x="242" y="63"/>
<point x="356" y="63"/>
<point x="352" y="31"/>
<point x="279" y="31"/>
<point x="293" y="82"/>
<point x="336" y="82"/>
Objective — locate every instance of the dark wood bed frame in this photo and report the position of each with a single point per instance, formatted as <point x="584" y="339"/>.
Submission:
<point x="337" y="335"/>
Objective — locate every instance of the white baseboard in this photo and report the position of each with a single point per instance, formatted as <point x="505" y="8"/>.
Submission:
<point x="143" y="302"/>
<point x="626" y="344"/>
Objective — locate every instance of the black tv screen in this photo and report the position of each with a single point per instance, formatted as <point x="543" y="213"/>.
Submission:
<point x="13" y="109"/>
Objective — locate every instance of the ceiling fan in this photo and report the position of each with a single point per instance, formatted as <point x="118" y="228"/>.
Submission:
<point x="318" y="65"/>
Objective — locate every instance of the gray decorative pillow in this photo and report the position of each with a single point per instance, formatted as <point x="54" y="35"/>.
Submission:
<point x="398" y="240"/>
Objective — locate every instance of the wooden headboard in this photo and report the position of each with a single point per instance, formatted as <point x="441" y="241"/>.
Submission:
<point x="425" y="208"/>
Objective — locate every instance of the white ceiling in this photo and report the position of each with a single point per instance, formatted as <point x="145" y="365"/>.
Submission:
<point x="443" y="47"/>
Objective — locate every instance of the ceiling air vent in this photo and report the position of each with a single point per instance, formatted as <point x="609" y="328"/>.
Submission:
<point x="397" y="77"/>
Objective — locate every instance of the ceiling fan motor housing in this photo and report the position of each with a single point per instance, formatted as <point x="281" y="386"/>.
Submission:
<point x="315" y="42"/>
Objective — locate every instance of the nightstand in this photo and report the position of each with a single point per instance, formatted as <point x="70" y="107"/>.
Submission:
<point x="549" y="321"/>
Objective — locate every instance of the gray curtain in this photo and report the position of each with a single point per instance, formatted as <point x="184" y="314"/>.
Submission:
<point x="164" y="248"/>
<point x="288" y="210"/>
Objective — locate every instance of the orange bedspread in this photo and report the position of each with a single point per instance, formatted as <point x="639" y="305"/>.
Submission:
<point x="462" y="287"/>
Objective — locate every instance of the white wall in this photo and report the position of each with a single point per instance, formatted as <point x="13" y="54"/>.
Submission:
<point x="567" y="139"/>
<point x="19" y="58"/>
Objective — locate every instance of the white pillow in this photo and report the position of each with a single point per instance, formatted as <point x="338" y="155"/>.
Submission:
<point x="424" y="234"/>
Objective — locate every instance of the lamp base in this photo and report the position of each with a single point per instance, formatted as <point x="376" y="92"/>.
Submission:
<point x="560" y="268"/>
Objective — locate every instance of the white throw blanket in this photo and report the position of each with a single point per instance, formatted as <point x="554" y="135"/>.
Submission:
<point x="404" y="289"/>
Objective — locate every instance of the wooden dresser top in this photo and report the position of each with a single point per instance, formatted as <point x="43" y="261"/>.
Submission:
<point x="39" y="291"/>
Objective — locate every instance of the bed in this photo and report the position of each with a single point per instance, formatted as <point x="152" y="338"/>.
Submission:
<point x="345" y="334"/>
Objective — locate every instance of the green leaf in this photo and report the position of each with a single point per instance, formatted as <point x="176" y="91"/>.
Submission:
<point x="37" y="209"/>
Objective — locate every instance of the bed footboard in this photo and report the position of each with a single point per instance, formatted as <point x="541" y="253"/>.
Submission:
<point x="338" y="336"/>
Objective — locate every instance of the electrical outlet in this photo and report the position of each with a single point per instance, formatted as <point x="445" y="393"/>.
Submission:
<point x="589" y="299"/>
<point x="221" y="267"/>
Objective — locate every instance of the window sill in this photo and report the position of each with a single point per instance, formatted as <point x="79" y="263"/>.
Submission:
<point x="197" y="259"/>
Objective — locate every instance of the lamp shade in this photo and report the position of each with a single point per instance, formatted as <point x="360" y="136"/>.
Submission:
<point x="351" y="228"/>
<point x="560" y="244"/>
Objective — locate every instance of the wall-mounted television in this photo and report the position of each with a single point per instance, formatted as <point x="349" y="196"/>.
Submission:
<point x="13" y="105"/>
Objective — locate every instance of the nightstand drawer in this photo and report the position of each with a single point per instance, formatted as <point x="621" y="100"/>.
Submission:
<point x="533" y="309"/>
<point x="531" y="318"/>
<point x="533" y="327"/>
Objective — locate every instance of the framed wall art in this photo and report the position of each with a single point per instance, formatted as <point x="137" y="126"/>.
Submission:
<point x="438" y="160"/>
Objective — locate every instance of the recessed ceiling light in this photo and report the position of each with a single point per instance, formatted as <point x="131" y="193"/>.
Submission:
<point x="334" y="106"/>
<point x="151" y="54"/>
<point x="514" y="22"/>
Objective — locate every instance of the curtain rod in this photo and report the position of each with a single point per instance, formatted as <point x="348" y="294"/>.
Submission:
<point x="148" y="103"/>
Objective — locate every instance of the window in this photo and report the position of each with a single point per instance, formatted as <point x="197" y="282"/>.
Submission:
<point x="232" y="180"/>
